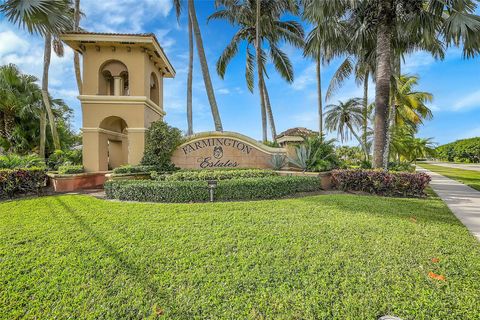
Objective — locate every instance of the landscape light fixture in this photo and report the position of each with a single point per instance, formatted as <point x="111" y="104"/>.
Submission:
<point x="212" y="184"/>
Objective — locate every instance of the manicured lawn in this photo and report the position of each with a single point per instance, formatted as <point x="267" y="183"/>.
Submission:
<point x="318" y="257"/>
<point x="469" y="177"/>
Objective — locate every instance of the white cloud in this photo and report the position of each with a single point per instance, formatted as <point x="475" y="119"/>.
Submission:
<point x="307" y="78"/>
<point x="223" y="91"/>
<point x="469" y="101"/>
<point x="11" y="43"/>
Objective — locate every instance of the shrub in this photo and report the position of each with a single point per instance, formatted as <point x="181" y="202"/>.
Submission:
<point x="195" y="191"/>
<point x="13" y="161"/>
<point x="15" y="181"/>
<point x="381" y="182"/>
<point x="278" y="161"/>
<point x="466" y="150"/>
<point x="223" y="174"/>
<point x="64" y="157"/>
<point x="70" y="169"/>
<point x="134" y="169"/>
<point x="161" y="142"/>
<point x="316" y="154"/>
<point x="401" y="166"/>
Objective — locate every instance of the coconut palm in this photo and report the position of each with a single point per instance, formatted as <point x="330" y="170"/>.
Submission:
<point x="345" y="118"/>
<point x="410" y="106"/>
<point x="48" y="19"/>
<point x="76" y="55"/>
<point x="408" y="26"/>
<point x="322" y="45"/>
<point x="203" y="63"/>
<point x="259" y="22"/>
<point x="178" y="9"/>
<point x="406" y="147"/>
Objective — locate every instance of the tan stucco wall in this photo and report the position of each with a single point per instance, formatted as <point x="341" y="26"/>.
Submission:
<point x="238" y="150"/>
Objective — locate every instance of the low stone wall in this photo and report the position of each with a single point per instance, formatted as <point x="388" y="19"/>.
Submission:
<point x="325" y="177"/>
<point x="72" y="182"/>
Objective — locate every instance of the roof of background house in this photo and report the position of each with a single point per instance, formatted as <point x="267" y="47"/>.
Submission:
<point x="297" y="132"/>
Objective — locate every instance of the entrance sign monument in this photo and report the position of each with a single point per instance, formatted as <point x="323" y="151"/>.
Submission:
<point x="122" y="95"/>
<point x="216" y="150"/>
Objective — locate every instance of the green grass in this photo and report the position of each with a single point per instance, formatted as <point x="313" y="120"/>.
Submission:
<point x="469" y="177"/>
<point x="318" y="257"/>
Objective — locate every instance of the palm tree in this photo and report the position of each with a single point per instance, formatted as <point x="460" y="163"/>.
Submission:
<point x="203" y="63"/>
<point x="178" y="10"/>
<point x="406" y="26"/>
<point x="260" y="20"/>
<point x="407" y="147"/>
<point x="344" y="117"/>
<point x="322" y="45"/>
<point x="76" y="55"/>
<point x="47" y="19"/>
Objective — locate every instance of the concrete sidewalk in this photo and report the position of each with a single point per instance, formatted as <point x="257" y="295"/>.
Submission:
<point x="462" y="200"/>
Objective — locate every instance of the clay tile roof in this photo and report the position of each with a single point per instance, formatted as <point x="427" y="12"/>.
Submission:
<point x="114" y="34"/>
<point x="298" y="132"/>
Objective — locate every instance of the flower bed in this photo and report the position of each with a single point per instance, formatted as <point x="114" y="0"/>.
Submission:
<point x="197" y="191"/>
<point x="26" y="180"/>
<point x="381" y="182"/>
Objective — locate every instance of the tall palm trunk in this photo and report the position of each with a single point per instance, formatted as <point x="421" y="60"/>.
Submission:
<point x="260" y="74"/>
<point x="76" y="56"/>
<point x="190" y="76"/>
<point x="9" y="125"/>
<point x="396" y="63"/>
<point x="365" y="111"/>
<point x="383" y="74"/>
<point x="204" y="65"/>
<point x="320" y="100"/>
<point x="43" y="133"/>
<point x="45" y="96"/>
<point x="268" y="107"/>
<point x="2" y="125"/>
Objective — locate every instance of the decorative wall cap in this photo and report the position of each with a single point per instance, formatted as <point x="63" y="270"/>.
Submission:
<point x="79" y="39"/>
<point x="235" y="135"/>
<point x="103" y="99"/>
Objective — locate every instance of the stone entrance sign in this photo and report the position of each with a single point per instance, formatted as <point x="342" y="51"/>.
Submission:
<point x="216" y="150"/>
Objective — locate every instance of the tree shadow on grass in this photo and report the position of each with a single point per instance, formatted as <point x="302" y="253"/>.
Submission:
<point x="122" y="261"/>
<point x="425" y="210"/>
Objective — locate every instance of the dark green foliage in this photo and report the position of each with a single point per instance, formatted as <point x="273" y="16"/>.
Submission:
<point x="135" y="169"/>
<point x="467" y="150"/>
<point x="161" y="142"/>
<point x="351" y="156"/>
<point x="64" y="157"/>
<point x="401" y="166"/>
<point x="222" y="174"/>
<point x="14" y="161"/>
<point x="381" y="182"/>
<point x="70" y="169"/>
<point x="17" y="181"/>
<point x="316" y="154"/>
<point x="197" y="191"/>
<point x="336" y="256"/>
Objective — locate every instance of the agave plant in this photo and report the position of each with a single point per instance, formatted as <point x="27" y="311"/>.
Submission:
<point x="315" y="154"/>
<point x="303" y="155"/>
<point x="278" y="161"/>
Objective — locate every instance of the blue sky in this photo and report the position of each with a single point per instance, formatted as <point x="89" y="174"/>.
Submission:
<point x="454" y="82"/>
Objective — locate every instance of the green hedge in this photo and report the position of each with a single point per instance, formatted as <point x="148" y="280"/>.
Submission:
<point x="466" y="150"/>
<point x="197" y="191"/>
<point x="70" y="169"/>
<point x="223" y="174"/>
<point x="26" y="180"/>
<point x="134" y="169"/>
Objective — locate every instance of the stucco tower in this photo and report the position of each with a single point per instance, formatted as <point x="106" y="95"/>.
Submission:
<point x="122" y="95"/>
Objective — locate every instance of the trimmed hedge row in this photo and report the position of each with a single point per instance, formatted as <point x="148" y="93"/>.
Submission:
<point x="381" y="182"/>
<point x="70" y="169"/>
<point x="15" y="181"/>
<point x="466" y="150"/>
<point x="223" y="174"/>
<point x="197" y="191"/>
<point x="134" y="169"/>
